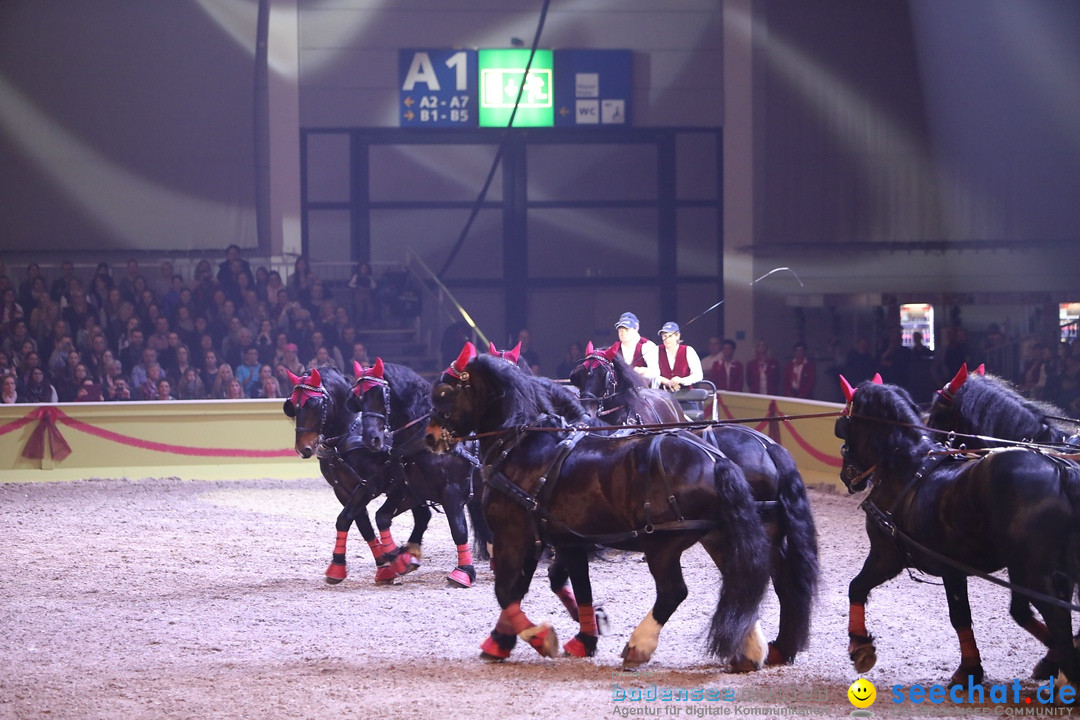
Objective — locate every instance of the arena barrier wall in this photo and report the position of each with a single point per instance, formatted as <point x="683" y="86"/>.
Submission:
<point x="242" y="439"/>
<point x="189" y="439"/>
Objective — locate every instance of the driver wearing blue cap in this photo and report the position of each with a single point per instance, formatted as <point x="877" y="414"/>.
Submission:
<point x="639" y="353"/>
<point x="679" y="364"/>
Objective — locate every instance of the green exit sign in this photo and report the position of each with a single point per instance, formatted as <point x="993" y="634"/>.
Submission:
<point x="502" y="73"/>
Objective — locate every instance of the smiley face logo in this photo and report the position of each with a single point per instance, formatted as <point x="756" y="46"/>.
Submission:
<point x="862" y="693"/>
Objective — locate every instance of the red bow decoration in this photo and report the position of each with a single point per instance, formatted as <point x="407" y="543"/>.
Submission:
<point x="35" y="446"/>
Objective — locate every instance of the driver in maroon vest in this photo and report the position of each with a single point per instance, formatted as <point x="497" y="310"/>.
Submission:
<point x="638" y="352"/>
<point x="679" y="364"/>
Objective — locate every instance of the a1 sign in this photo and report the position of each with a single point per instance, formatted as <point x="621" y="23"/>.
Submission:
<point x="437" y="88"/>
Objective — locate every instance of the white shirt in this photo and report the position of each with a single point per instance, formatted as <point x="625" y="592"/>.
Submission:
<point x="649" y="352"/>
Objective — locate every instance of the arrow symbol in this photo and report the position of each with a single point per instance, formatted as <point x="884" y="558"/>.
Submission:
<point x="409" y="115"/>
<point x="409" y="101"/>
<point x="564" y="111"/>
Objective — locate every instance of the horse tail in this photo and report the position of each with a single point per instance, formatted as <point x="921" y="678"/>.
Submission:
<point x="798" y="571"/>
<point x="744" y="549"/>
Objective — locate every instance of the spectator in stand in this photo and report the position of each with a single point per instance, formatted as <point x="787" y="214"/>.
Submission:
<point x="231" y="269"/>
<point x="159" y="337"/>
<point x="723" y="369"/>
<point x="9" y="392"/>
<point x="11" y="310"/>
<point x="170" y="299"/>
<point x="859" y="363"/>
<point x="359" y="355"/>
<point x="247" y="372"/>
<point x="919" y="350"/>
<point x="679" y="363"/>
<point x="112" y="381"/>
<point x="67" y="385"/>
<point x="59" y="286"/>
<point x="58" y="360"/>
<point x="268" y="386"/>
<point x="26" y="287"/>
<point x="121" y="390"/>
<point x="37" y="388"/>
<point x="269" y="293"/>
<point x="363" y="285"/>
<point x="333" y="354"/>
<point x="89" y="391"/>
<point x="141" y="371"/>
<point x="163" y="281"/>
<point x="322" y="357"/>
<point x="178" y="368"/>
<point x="131" y="349"/>
<point x="800" y="374"/>
<point x="126" y="282"/>
<point x="190" y="385"/>
<point x="219" y="388"/>
<point x="894" y="362"/>
<point x="763" y="371"/>
<point x="6" y="366"/>
<point x="164" y="390"/>
<point x="570" y="360"/>
<point x="300" y="281"/>
<point x="640" y="354"/>
<point x="235" y="391"/>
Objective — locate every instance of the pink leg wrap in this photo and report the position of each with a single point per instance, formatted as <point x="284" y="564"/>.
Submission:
<point x="387" y="540"/>
<point x="339" y="544"/>
<point x="464" y="555"/>
<point x="376" y="549"/>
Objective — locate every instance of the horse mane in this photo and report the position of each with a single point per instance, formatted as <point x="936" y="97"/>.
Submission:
<point x="410" y="394"/>
<point x="525" y="397"/>
<point x="626" y="379"/>
<point x="337" y="385"/>
<point x="992" y="406"/>
<point x="897" y="423"/>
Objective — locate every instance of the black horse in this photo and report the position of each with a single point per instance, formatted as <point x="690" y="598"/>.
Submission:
<point x="612" y="392"/>
<point x="985" y="411"/>
<point x="327" y="429"/>
<point x="393" y="404"/>
<point x="549" y="483"/>
<point x="988" y="411"/>
<point x="621" y="397"/>
<point x="949" y="516"/>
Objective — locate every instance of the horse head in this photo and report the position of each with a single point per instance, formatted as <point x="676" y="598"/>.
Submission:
<point x="451" y="390"/>
<point x="853" y="473"/>
<point x="309" y="405"/>
<point x="595" y="378"/>
<point x="370" y="398"/>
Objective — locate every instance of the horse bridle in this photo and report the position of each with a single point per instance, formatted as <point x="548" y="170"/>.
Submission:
<point x="324" y="408"/>
<point x="610" y="382"/>
<point x="384" y="387"/>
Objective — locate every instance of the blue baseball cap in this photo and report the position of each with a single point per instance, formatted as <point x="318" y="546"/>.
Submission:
<point x="669" y="328"/>
<point x="628" y="320"/>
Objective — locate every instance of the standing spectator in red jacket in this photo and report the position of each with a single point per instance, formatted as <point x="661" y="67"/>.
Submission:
<point x="799" y="374"/>
<point x="763" y="371"/>
<point x="721" y="367"/>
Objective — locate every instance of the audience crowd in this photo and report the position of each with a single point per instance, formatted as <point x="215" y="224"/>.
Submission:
<point x="226" y="332"/>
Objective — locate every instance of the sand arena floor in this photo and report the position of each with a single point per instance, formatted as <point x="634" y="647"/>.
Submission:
<point x="163" y="598"/>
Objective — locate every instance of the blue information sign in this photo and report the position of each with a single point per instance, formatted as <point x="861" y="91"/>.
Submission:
<point x="592" y="87"/>
<point x="438" y="88"/>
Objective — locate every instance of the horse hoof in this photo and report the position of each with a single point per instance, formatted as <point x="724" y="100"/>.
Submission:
<point x="385" y="575"/>
<point x="1045" y="668"/>
<point x="335" y="573"/>
<point x="415" y="550"/>
<point x="743" y="664"/>
<point x="581" y="646"/>
<point x="863" y="657"/>
<point x="543" y="639"/>
<point x="960" y="677"/>
<point x="497" y="646"/>
<point x="776" y="657"/>
<point x="403" y="563"/>
<point x="632" y="657"/>
<point x="462" y="576"/>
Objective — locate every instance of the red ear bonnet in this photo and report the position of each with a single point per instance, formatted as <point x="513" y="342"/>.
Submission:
<point x="315" y="380"/>
<point x="877" y="379"/>
<point x="589" y="349"/>
<point x="294" y="379"/>
<point x="468" y="352"/>
<point x="611" y="352"/>
<point x="957" y="382"/>
<point x="981" y="370"/>
<point x="849" y="392"/>
<point x="377" y="369"/>
<point x="358" y="370"/>
<point x="492" y="350"/>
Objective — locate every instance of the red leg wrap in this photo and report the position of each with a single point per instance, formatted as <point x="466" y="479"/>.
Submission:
<point x="339" y="543"/>
<point x="376" y="549"/>
<point x="857" y="620"/>
<point x="387" y="540"/>
<point x="566" y="595"/>
<point x="969" y="652"/>
<point x="587" y="619"/>
<point x="515" y="618"/>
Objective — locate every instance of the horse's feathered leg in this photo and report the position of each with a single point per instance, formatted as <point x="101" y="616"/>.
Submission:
<point x="576" y="560"/>
<point x="882" y="564"/>
<point x="421" y="517"/>
<point x="960" y="616"/>
<point x="558" y="578"/>
<point x="514" y="564"/>
<point x="663" y="557"/>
